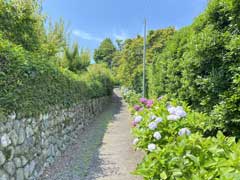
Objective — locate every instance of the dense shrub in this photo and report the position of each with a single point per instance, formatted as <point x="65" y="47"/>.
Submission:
<point x="200" y="65"/>
<point x="194" y="158"/>
<point x="30" y="84"/>
<point x="175" y="147"/>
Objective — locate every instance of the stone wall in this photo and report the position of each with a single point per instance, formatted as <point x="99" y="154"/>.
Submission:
<point x="29" y="145"/>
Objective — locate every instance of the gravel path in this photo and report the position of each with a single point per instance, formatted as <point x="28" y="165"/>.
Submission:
<point x="103" y="150"/>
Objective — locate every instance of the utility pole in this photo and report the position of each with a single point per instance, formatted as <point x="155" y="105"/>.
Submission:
<point x="144" y="58"/>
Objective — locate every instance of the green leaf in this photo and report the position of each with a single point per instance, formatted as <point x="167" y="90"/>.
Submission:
<point x="163" y="175"/>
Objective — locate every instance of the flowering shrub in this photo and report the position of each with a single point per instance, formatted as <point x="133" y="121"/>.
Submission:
<point x="193" y="157"/>
<point x="169" y="121"/>
<point x="171" y="136"/>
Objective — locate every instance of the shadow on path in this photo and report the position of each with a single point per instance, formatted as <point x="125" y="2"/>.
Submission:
<point x="91" y="155"/>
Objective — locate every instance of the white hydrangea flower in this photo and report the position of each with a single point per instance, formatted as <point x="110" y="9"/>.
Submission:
<point x="152" y="125"/>
<point x="180" y="111"/>
<point x="153" y="117"/>
<point x="157" y="135"/>
<point x="173" y="117"/>
<point x="135" y="141"/>
<point x="184" y="131"/>
<point x="158" y="120"/>
<point x="171" y="109"/>
<point x="138" y="119"/>
<point x="151" y="147"/>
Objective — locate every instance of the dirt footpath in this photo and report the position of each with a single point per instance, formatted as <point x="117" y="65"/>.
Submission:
<point x="103" y="150"/>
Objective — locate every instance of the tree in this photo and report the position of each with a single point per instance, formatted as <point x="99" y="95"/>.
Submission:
<point x="129" y="69"/>
<point x="105" y="52"/>
<point x="22" y="23"/>
<point x="84" y="59"/>
<point x="119" y="44"/>
<point x="77" y="62"/>
<point x="56" y="39"/>
<point x="129" y="57"/>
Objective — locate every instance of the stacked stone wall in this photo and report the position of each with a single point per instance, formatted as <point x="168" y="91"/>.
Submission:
<point x="28" y="145"/>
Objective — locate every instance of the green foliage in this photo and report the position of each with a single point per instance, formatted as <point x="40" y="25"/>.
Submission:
<point x="193" y="158"/>
<point x="200" y="65"/>
<point x="99" y="79"/>
<point x="168" y="128"/>
<point x="31" y="84"/>
<point x="129" y="58"/>
<point x="22" y="23"/>
<point x="76" y="61"/>
<point x="182" y="156"/>
<point x="130" y="96"/>
<point x="55" y="41"/>
<point x="105" y="52"/>
<point x="129" y="71"/>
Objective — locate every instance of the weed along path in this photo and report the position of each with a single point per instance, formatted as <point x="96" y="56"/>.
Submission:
<point x="103" y="151"/>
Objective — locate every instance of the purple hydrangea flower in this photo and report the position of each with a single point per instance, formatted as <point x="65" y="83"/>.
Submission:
<point x="137" y="107"/>
<point x="158" y="120"/>
<point x="137" y="119"/>
<point x="173" y="117"/>
<point x="152" y="125"/>
<point x="178" y="111"/>
<point x="184" y="131"/>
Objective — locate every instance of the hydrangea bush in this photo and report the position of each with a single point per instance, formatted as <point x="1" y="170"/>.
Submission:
<point x="164" y="121"/>
<point x="172" y="137"/>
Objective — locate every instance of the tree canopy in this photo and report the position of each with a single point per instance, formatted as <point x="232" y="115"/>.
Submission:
<point x="105" y="52"/>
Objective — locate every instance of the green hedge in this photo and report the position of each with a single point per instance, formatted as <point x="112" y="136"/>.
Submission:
<point x="200" y="65"/>
<point x="31" y="84"/>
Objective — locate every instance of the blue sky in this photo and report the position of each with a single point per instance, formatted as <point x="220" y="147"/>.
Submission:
<point x="90" y="21"/>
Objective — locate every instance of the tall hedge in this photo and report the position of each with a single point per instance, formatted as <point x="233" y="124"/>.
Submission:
<point x="31" y="84"/>
<point x="201" y="65"/>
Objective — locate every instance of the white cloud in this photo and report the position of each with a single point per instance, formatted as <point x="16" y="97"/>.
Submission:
<point x="121" y="36"/>
<point x="85" y="35"/>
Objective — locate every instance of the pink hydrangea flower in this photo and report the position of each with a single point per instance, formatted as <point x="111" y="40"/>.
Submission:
<point x="134" y="123"/>
<point x="143" y="100"/>
<point x="149" y="103"/>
